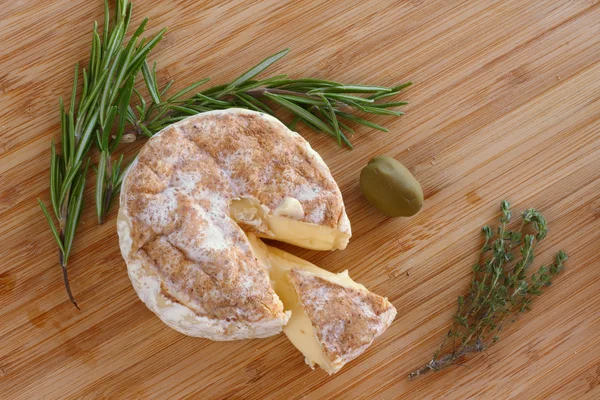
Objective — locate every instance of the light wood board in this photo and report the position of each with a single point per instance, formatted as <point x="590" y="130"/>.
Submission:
<point x="506" y="106"/>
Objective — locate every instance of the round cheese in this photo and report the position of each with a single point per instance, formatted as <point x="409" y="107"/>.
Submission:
<point x="187" y="202"/>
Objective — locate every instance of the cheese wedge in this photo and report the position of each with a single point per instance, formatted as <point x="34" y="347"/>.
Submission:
<point x="333" y="319"/>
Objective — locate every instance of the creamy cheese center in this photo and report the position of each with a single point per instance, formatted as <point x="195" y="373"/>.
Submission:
<point x="283" y="225"/>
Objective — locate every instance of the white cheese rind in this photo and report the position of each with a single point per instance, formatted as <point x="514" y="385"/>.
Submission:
<point x="179" y="317"/>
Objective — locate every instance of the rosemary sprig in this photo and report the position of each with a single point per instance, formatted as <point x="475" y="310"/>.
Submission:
<point x="104" y="99"/>
<point x="316" y="102"/>
<point x="500" y="289"/>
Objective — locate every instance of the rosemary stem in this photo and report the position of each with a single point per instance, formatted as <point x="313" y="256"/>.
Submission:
<point x="68" y="285"/>
<point x="107" y="191"/>
<point x="259" y="92"/>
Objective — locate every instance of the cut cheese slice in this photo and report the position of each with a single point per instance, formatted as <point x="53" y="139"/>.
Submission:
<point x="345" y="320"/>
<point x="333" y="319"/>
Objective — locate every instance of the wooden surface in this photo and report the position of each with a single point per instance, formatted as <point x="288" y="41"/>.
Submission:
<point x="506" y="105"/>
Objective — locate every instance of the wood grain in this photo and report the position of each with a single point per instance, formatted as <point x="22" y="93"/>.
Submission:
<point x="506" y="105"/>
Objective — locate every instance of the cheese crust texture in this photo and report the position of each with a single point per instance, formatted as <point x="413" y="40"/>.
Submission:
<point x="188" y="199"/>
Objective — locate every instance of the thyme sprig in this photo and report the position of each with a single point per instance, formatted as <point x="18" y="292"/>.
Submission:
<point x="103" y="100"/>
<point x="501" y="288"/>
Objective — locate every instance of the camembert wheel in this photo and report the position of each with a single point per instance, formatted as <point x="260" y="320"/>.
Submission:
<point x="188" y="203"/>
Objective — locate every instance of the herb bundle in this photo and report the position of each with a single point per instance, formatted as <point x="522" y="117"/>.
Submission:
<point x="107" y="87"/>
<point x="102" y="114"/>
<point x="500" y="289"/>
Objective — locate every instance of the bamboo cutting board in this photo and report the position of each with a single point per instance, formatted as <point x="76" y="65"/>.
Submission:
<point x="506" y="106"/>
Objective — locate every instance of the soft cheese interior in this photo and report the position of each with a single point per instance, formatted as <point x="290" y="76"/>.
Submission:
<point x="283" y="225"/>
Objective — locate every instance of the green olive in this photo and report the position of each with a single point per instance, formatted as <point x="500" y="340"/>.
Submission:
<point x="390" y="187"/>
